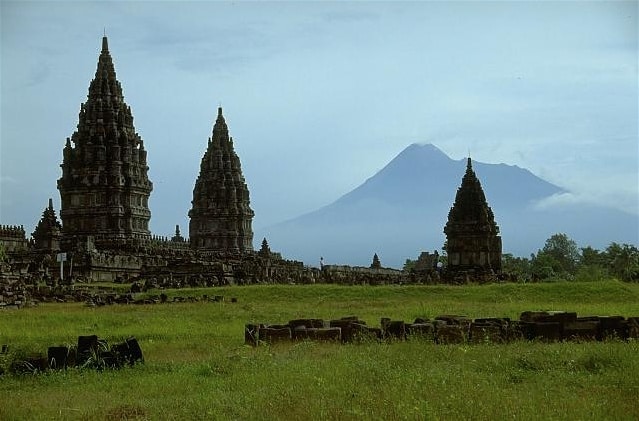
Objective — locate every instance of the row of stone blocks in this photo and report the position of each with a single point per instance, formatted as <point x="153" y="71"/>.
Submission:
<point x="532" y="325"/>
<point x="90" y="352"/>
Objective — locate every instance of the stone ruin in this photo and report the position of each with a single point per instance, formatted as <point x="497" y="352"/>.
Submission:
<point x="104" y="229"/>
<point x="545" y="326"/>
<point x="90" y="352"/>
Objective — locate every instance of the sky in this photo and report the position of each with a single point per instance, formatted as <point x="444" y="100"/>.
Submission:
<point x="319" y="96"/>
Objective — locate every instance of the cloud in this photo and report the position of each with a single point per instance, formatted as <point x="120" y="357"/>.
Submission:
<point x="613" y="199"/>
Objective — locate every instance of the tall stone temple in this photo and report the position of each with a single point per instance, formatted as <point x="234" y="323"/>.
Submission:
<point x="104" y="187"/>
<point x="473" y="241"/>
<point x="221" y="216"/>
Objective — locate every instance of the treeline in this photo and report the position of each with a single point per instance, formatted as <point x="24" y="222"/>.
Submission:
<point x="561" y="258"/>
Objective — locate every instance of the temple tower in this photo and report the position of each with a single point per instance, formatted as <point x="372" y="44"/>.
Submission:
<point x="48" y="231"/>
<point x="473" y="240"/>
<point x="104" y="187"/>
<point x="221" y="216"/>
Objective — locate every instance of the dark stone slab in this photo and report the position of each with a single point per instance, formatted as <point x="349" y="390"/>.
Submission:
<point x="451" y="334"/>
<point x="57" y="357"/>
<point x="581" y="331"/>
<point x="486" y="332"/>
<point x="272" y="334"/>
<point x="421" y="330"/>
<point x="87" y="347"/>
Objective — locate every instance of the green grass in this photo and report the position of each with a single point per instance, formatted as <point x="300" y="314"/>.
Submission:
<point x="197" y="366"/>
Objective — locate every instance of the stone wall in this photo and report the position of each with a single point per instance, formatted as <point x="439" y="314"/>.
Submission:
<point x="545" y="326"/>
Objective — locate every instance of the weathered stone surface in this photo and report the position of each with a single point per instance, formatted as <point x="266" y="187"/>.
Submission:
<point x="308" y="323"/>
<point x="128" y="352"/>
<point x="394" y="329"/>
<point x="274" y="334"/>
<point x="87" y="348"/>
<point x="561" y="317"/>
<point x="485" y="332"/>
<point x="451" y="334"/>
<point x="581" y="330"/>
<point x="547" y="331"/>
<point x="57" y="357"/>
<point x="324" y="334"/>
<point x="455" y="320"/>
<point x="532" y="316"/>
<point x="613" y="327"/>
<point x="420" y="330"/>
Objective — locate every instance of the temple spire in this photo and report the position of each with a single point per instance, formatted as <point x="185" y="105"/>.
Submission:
<point x="472" y="235"/>
<point x="106" y="166"/>
<point x="221" y="216"/>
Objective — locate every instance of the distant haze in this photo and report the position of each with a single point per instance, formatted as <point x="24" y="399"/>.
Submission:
<point x="319" y="96"/>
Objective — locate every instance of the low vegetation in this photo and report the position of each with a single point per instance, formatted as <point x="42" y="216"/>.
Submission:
<point x="197" y="366"/>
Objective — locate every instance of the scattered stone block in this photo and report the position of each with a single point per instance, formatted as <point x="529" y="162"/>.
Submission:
<point x="561" y="317"/>
<point x="57" y="357"/>
<point x="613" y="327"/>
<point x="324" y="334"/>
<point x="128" y="352"/>
<point x="455" y="320"/>
<point x="307" y="323"/>
<point x="251" y="334"/>
<point x="581" y="330"/>
<point x="420" y="330"/>
<point x="485" y="332"/>
<point x="395" y="329"/>
<point x="87" y="348"/>
<point x="274" y="334"/>
<point x="633" y="327"/>
<point x="450" y="334"/>
<point x="547" y="331"/>
<point x="532" y="316"/>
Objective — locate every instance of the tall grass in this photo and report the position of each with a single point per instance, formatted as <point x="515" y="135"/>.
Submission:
<point x="197" y="366"/>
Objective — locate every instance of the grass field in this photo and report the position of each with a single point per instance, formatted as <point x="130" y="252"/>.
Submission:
<point x="197" y="366"/>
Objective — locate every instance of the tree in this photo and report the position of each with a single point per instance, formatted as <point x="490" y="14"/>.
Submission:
<point x="623" y="261"/>
<point x="543" y="265"/>
<point x="518" y="266"/>
<point x="561" y="253"/>
<point x="592" y="257"/>
<point x="592" y="265"/>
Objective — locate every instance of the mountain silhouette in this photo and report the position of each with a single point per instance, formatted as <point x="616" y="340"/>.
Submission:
<point x="402" y="209"/>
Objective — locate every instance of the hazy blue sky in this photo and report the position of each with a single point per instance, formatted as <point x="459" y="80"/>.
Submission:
<point x="320" y="96"/>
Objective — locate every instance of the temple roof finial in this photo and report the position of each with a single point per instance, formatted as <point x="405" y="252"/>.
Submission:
<point x="219" y="111"/>
<point x="105" y="43"/>
<point x="50" y="203"/>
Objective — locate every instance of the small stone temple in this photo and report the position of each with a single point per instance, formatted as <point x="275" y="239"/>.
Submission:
<point x="48" y="232"/>
<point x="221" y="216"/>
<point x="473" y="241"/>
<point x="104" y="188"/>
